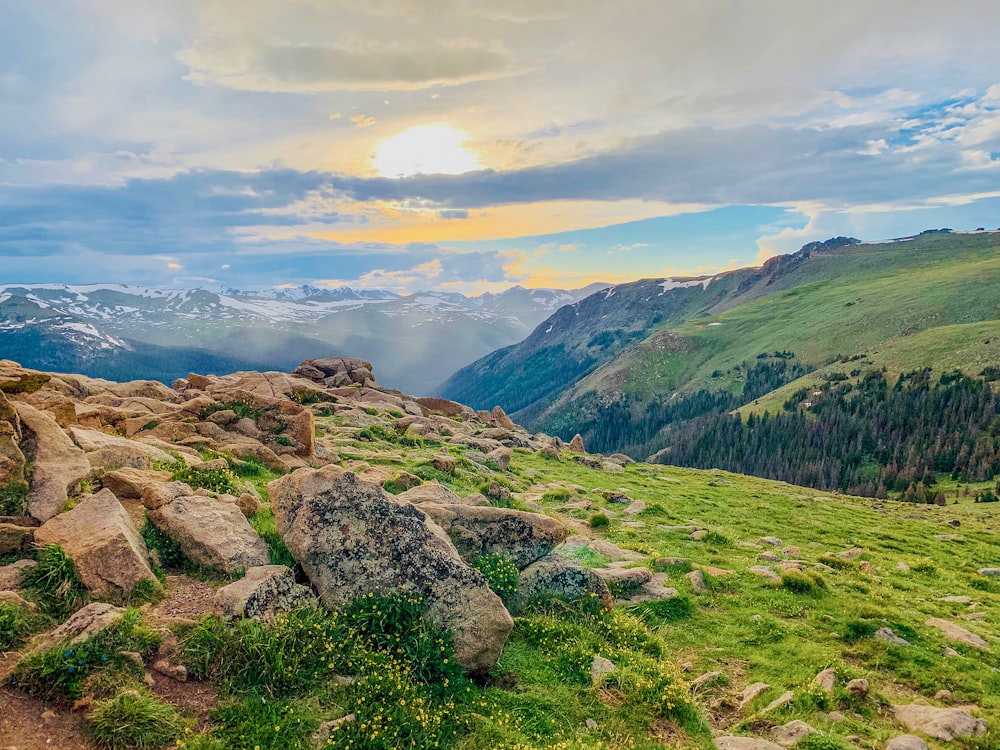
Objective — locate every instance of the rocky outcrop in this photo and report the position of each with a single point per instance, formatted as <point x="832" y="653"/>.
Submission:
<point x="263" y="592"/>
<point x="11" y="457"/>
<point x="941" y="723"/>
<point x="102" y="541"/>
<point x="211" y="533"/>
<point x="334" y="372"/>
<point x="523" y="537"/>
<point x="352" y="538"/>
<point x="106" y="451"/>
<point x="128" y="484"/>
<point x="59" y="465"/>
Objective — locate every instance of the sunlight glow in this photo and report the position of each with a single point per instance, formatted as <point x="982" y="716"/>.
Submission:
<point x="425" y="149"/>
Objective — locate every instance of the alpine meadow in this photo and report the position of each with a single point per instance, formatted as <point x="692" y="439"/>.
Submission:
<point x="499" y="375"/>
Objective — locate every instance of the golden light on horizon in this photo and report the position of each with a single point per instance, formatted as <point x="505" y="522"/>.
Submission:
<point x="425" y="149"/>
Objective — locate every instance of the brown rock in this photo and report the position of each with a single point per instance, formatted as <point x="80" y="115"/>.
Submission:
<point x="154" y="494"/>
<point x="744" y="743"/>
<point x="249" y="504"/>
<point x="789" y="734"/>
<point x="499" y="418"/>
<point x="211" y="533"/>
<point x="102" y="541"/>
<point x="906" y="742"/>
<point x="501" y="457"/>
<point x="14" y="538"/>
<point x="958" y="634"/>
<point x="941" y="723"/>
<point x="59" y="465"/>
<point x="444" y="463"/>
<point x="576" y="444"/>
<point x="432" y="492"/>
<point x="128" y="484"/>
<point x="83" y="625"/>
<point x="10" y="574"/>
<point x="858" y="688"/>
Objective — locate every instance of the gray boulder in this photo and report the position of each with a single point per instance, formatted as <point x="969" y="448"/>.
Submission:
<point x="262" y="592"/>
<point x="352" y="538"/>
<point x="475" y="530"/>
<point x="561" y="576"/>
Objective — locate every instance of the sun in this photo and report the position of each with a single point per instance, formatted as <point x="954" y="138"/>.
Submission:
<point x="425" y="149"/>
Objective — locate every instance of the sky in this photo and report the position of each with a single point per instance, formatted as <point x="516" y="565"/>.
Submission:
<point x="471" y="145"/>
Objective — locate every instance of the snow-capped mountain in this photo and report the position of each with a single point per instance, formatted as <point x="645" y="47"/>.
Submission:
<point x="415" y="342"/>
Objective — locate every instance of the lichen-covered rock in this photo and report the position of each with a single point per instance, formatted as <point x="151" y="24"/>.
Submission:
<point x="475" y="530"/>
<point x="211" y="533"/>
<point x="59" y="465"/>
<point x="561" y="576"/>
<point x="113" y="451"/>
<point x="941" y="723"/>
<point x="789" y="734"/>
<point x="102" y="541"/>
<point x="352" y="538"/>
<point x="262" y="592"/>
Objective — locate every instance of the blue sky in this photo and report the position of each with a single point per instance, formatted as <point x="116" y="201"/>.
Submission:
<point x="472" y="145"/>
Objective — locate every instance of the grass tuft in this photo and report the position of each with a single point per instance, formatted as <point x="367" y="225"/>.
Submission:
<point x="134" y="720"/>
<point x="53" y="583"/>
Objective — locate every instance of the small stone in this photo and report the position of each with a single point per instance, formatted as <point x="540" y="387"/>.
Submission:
<point x="836" y="717"/>
<point x="753" y="691"/>
<point x="705" y="679"/>
<point x="989" y="572"/>
<point x="943" y="695"/>
<point x="783" y="700"/>
<point x="949" y="651"/>
<point x="176" y="672"/>
<point x="902" y="567"/>
<point x="764" y="572"/>
<point x="858" y="688"/>
<point x="825" y="680"/>
<point x="886" y="635"/>
<point x="699" y="534"/>
<point x="790" y="733"/>
<point x="771" y="540"/>
<point x="590" y="724"/>
<point x="600" y="668"/>
<point x="906" y="742"/>
<point x="768" y="557"/>
<point x="744" y="743"/>
<point x="697" y="579"/>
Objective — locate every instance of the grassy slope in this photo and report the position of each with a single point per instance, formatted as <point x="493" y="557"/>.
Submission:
<point x="968" y="347"/>
<point x="842" y="303"/>
<point x="747" y="628"/>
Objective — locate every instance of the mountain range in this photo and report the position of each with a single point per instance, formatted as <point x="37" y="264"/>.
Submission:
<point x="118" y="331"/>
<point x="672" y="366"/>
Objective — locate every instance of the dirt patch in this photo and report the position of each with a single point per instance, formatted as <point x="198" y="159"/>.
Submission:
<point x="186" y="598"/>
<point x="28" y="724"/>
<point x="669" y="734"/>
<point x="193" y="699"/>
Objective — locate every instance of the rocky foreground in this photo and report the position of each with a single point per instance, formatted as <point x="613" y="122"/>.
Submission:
<point x="97" y="468"/>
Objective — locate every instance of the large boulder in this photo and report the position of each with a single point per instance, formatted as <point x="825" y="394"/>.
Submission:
<point x="561" y="576"/>
<point x="11" y="457"/>
<point x="958" y="634"/>
<point x="102" y="541"/>
<point x="262" y="592"/>
<point x="113" y="451"/>
<point x="352" y="538"/>
<point x="476" y="530"/>
<point x="941" y="723"/>
<point x="211" y="533"/>
<point x="59" y="465"/>
<point x="128" y="484"/>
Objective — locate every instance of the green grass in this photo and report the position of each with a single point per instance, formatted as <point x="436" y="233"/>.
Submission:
<point x="13" y="498"/>
<point x="216" y="480"/>
<point x="263" y="523"/>
<point x="60" y="673"/>
<point x="53" y="584"/>
<point x="16" y="624"/>
<point x="134" y="720"/>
